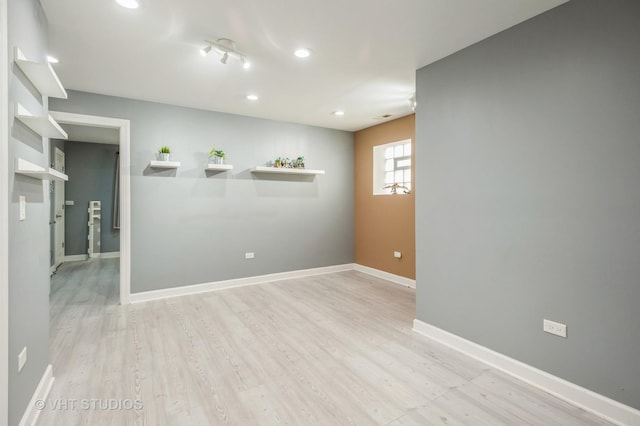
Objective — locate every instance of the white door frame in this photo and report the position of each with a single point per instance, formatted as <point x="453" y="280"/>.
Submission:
<point x="58" y="197"/>
<point x="4" y="216"/>
<point x="125" y="187"/>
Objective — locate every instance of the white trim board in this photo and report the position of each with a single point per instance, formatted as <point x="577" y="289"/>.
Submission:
<point x="593" y="402"/>
<point x="78" y="257"/>
<point x="4" y="215"/>
<point x="396" y="279"/>
<point x="75" y="257"/>
<point x="32" y="412"/>
<point x="109" y="255"/>
<point x="124" y="127"/>
<point x="147" y="296"/>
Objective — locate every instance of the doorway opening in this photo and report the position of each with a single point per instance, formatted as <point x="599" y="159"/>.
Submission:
<point x="94" y="128"/>
<point x="57" y="211"/>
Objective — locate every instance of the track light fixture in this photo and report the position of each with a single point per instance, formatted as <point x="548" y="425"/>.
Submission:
<point x="227" y="49"/>
<point x="413" y="103"/>
<point x="205" y="50"/>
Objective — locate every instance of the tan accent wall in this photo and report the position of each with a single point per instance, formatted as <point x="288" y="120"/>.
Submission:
<point x="384" y="223"/>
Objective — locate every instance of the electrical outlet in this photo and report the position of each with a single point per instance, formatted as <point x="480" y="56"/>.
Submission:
<point x="555" y="328"/>
<point x="397" y="254"/>
<point x="249" y="255"/>
<point x="22" y="359"/>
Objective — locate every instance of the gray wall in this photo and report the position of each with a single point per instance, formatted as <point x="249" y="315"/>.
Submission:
<point x="28" y="240"/>
<point x="189" y="227"/>
<point x="91" y="168"/>
<point x="528" y="204"/>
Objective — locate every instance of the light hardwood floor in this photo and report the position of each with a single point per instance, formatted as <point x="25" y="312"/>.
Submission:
<point x="325" y="350"/>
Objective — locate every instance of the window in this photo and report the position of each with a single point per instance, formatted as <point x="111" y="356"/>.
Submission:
<point x="392" y="165"/>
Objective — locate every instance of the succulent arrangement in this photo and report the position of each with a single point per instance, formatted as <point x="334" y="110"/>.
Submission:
<point x="286" y="163"/>
<point x="164" y="150"/>
<point x="217" y="153"/>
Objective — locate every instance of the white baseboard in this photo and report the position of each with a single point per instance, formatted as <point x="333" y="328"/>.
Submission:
<point x="75" y="257"/>
<point x="600" y="405"/>
<point x="31" y="414"/>
<point x="147" y="296"/>
<point x="396" y="279"/>
<point x="108" y="255"/>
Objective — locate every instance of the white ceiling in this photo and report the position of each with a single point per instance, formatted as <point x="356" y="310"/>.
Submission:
<point x="365" y="52"/>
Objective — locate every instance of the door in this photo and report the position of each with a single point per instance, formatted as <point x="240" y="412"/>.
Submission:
<point x="59" y="209"/>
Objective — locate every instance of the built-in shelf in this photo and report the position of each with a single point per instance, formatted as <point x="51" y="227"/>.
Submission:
<point x="218" y="167"/>
<point x="27" y="168"/>
<point x="164" y="164"/>
<point x="44" y="126"/>
<point x="42" y="75"/>
<point x="283" y="170"/>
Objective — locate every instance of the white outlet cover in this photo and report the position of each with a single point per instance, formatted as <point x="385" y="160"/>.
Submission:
<point x="249" y="255"/>
<point x="556" y="328"/>
<point x="397" y="254"/>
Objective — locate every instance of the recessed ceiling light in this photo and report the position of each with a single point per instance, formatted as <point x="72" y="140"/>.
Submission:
<point x="52" y="59"/>
<point x="245" y="63"/>
<point x="129" y="4"/>
<point x="252" y="97"/>
<point x="339" y="112"/>
<point x="302" y="53"/>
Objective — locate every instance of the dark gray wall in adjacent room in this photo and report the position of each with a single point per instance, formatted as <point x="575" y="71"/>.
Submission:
<point x="528" y="145"/>
<point x="91" y="168"/>
<point x="189" y="227"/>
<point x="29" y="239"/>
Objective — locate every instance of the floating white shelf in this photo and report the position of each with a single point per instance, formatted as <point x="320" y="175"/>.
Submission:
<point x="27" y="168"/>
<point x="42" y="76"/>
<point x="44" y="126"/>
<point x="164" y="164"/>
<point x="283" y="170"/>
<point x="218" y="167"/>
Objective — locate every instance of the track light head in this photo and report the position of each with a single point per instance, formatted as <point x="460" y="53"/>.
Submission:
<point x="227" y="49"/>
<point x="205" y="50"/>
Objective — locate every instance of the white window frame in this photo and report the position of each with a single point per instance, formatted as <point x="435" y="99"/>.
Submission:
<point x="379" y="171"/>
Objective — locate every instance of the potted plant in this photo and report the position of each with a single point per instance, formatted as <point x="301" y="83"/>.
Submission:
<point x="165" y="153"/>
<point x="217" y="155"/>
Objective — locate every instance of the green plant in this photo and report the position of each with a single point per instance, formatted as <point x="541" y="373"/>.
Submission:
<point x="217" y="152"/>
<point x="165" y="150"/>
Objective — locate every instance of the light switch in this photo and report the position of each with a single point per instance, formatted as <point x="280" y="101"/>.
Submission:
<point x="23" y="207"/>
<point x="69" y="203"/>
<point x="22" y="359"/>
